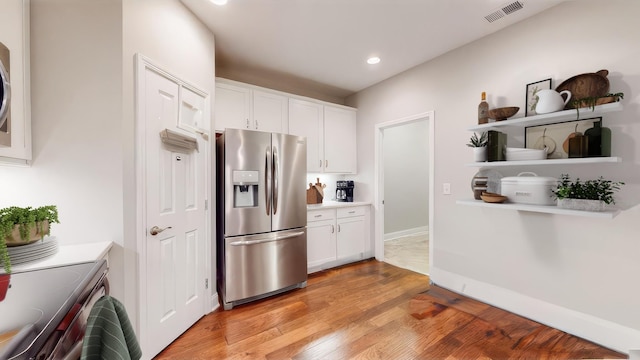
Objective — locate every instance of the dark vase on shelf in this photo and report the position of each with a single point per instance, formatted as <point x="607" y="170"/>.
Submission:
<point x="599" y="140"/>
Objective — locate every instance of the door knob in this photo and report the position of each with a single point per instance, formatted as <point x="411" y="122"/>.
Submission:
<point x="156" y="230"/>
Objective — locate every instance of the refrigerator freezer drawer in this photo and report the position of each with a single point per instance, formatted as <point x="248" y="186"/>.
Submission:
<point x="260" y="264"/>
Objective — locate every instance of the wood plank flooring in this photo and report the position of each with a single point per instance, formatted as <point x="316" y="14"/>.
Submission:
<point x="374" y="310"/>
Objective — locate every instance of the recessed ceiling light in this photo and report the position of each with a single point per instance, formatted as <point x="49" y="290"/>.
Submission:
<point x="219" y="2"/>
<point x="373" y="60"/>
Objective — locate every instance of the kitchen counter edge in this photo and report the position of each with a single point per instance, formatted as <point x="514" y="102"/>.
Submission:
<point x="70" y="254"/>
<point x="336" y="204"/>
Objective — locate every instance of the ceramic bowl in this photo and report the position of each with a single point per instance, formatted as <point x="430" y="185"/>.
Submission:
<point x="503" y="113"/>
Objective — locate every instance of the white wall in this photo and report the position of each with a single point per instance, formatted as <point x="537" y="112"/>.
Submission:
<point x="82" y="71"/>
<point x="76" y="93"/>
<point x="574" y="273"/>
<point x="76" y="107"/>
<point x="406" y="177"/>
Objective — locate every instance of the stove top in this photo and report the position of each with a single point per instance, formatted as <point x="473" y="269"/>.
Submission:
<point x="37" y="302"/>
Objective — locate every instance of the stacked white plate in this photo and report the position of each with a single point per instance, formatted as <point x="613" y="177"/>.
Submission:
<point x="515" y="154"/>
<point x="35" y="251"/>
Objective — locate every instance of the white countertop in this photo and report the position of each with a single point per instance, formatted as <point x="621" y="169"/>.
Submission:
<point x="70" y="254"/>
<point x="336" y="204"/>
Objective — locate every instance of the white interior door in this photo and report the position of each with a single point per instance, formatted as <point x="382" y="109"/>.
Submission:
<point x="174" y="256"/>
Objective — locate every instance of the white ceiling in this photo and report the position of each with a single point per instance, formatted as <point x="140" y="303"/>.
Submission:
<point x="327" y="42"/>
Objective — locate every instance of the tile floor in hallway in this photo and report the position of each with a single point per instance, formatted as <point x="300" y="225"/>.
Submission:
<point x="409" y="252"/>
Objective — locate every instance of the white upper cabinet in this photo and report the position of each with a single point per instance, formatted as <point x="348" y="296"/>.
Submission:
<point x="331" y="135"/>
<point x="232" y="107"/>
<point x="330" y="129"/>
<point x="15" y="132"/>
<point x="270" y="112"/>
<point x="244" y="107"/>
<point x="340" y="140"/>
<point x="306" y="119"/>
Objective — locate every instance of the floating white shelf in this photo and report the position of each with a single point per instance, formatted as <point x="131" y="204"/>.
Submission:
<point x="558" y="116"/>
<point x="609" y="214"/>
<point x="572" y="161"/>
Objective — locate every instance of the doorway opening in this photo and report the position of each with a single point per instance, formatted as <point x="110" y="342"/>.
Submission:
<point x="403" y="191"/>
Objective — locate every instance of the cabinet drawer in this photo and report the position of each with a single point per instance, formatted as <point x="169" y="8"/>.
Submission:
<point x="318" y="215"/>
<point x="351" y="211"/>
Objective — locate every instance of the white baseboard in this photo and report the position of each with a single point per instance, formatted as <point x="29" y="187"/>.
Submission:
<point x="407" y="232"/>
<point x="214" y="304"/>
<point x="606" y="333"/>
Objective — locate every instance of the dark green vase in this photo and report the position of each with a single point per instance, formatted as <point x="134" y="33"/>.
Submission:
<point x="599" y="140"/>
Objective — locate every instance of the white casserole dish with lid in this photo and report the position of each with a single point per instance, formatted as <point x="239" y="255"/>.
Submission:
<point x="529" y="188"/>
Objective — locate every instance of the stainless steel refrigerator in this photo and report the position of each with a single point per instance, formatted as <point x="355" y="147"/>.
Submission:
<point x="261" y="214"/>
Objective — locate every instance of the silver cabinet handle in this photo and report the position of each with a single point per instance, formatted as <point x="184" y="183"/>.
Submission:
<point x="338" y="228"/>
<point x="317" y="216"/>
<point x="267" y="179"/>
<point x="256" y="124"/>
<point x="333" y="229"/>
<point x="262" y="241"/>
<point x="275" y="164"/>
<point x="248" y="123"/>
<point x="156" y="230"/>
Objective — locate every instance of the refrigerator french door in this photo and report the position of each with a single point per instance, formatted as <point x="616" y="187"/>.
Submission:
<point x="261" y="217"/>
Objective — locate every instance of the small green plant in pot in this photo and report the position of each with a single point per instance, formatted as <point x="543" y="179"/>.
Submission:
<point x="20" y="226"/>
<point x="590" y="195"/>
<point x="479" y="145"/>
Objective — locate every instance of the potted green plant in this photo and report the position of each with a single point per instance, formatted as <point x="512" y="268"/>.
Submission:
<point x="590" y="195"/>
<point x="592" y="102"/>
<point x="23" y="225"/>
<point x="479" y="145"/>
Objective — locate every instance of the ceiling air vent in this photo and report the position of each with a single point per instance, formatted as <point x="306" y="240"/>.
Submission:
<point x="503" y="11"/>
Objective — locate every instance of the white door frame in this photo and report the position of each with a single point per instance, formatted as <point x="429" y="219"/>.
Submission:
<point x="142" y="64"/>
<point x="379" y="180"/>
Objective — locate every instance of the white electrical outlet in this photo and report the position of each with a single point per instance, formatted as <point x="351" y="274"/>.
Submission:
<point x="446" y="189"/>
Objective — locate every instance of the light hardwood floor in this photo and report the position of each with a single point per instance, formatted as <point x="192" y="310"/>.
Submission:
<point x="409" y="252"/>
<point x="373" y="310"/>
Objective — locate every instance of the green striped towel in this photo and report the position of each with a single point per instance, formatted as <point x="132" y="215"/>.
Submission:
<point x="109" y="333"/>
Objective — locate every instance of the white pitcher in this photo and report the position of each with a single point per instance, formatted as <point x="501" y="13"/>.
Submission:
<point x="551" y="100"/>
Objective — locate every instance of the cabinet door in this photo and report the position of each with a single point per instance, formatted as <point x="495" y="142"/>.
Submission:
<point x="340" y="137"/>
<point x="15" y="133"/>
<point x="321" y="244"/>
<point x="350" y="237"/>
<point x="233" y="107"/>
<point x="305" y="119"/>
<point x="270" y="112"/>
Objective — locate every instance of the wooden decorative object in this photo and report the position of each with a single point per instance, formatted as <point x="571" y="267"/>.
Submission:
<point x="315" y="193"/>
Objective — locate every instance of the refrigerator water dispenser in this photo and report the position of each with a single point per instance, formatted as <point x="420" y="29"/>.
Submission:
<point x="245" y="188"/>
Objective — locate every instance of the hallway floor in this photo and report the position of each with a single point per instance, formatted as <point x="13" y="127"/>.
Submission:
<point x="409" y="252"/>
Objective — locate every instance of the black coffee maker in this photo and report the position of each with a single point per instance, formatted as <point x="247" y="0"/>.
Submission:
<point x="344" y="190"/>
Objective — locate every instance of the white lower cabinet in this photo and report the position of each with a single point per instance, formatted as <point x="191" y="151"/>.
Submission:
<point x="350" y="233"/>
<point x="321" y="238"/>
<point x="336" y="236"/>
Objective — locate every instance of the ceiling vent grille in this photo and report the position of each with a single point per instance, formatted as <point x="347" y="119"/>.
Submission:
<point x="504" y="11"/>
<point x="513" y="7"/>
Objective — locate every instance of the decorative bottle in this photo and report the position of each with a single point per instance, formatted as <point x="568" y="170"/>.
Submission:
<point x="483" y="110"/>
<point x="599" y="140"/>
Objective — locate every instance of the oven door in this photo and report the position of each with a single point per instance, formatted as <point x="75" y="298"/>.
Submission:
<point x="5" y="98"/>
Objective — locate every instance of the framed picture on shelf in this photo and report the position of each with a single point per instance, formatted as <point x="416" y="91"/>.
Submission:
<point x="531" y="98"/>
<point x="555" y="136"/>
